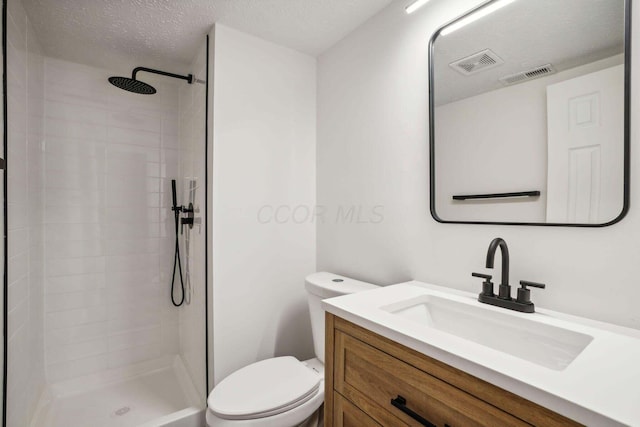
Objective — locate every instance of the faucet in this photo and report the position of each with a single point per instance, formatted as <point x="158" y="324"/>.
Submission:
<point x="504" y="290"/>
<point x="503" y="299"/>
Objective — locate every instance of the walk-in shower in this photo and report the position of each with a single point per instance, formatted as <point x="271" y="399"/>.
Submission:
<point x="105" y="294"/>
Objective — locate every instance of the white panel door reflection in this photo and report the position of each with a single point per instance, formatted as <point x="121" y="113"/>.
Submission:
<point x="585" y="178"/>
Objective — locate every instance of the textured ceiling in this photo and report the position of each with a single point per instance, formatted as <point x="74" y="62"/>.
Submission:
<point x="166" y="33"/>
<point x="528" y="34"/>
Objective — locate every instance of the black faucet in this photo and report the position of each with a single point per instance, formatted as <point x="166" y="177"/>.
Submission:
<point x="503" y="299"/>
<point x="504" y="290"/>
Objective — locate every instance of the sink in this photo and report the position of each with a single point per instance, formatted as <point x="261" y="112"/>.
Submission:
<point x="549" y="346"/>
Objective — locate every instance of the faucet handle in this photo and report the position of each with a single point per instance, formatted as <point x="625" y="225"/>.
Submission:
<point x="524" y="294"/>
<point x="487" y="285"/>
<point x="525" y="283"/>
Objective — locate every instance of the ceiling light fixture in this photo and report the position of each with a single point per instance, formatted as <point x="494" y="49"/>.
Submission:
<point x="475" y="16"/>
<point x="415" y="5"/>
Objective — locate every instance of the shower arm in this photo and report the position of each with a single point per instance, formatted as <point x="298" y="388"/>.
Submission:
<point x="188" y="78"/>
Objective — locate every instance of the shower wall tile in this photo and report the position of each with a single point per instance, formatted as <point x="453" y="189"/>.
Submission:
<point x="84" y="97"/>
<point x="73" y="151"/>
<point x="72" y="318"/>
<point x="76" y="113"/>
<point x="171" y="126"/>
<point x="73" y="300"/>
<point x="76" y="368"/>
<point x="71" y="266"/>
<point x="126" y="118"/>
<point x="75" y="129"/>
<point x="70" y="232"/>
<point x="137" y="354"/>
<point x="75" y="248"/>
<point x="18" y="293"/>
<point x="69" y="352"/>
<point x="132" y="246"/>
<point x="67" y="197"/>
<point x="77" y="334"/>
<point x="109" y="159"/>
<point x="131" y="339"/>
<point x="17" y="318"/>
<point x="25" y="93"/>
<point x="133" y="137"/>
<point x="124" y="319"/>
<point x="19" y="266"/>
<point x="75" y="283"/>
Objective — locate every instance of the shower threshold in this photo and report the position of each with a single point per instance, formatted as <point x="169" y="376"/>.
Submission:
<point x="151" y="394"/>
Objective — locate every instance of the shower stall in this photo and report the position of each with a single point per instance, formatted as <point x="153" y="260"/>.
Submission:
<point x="105" y="239"/>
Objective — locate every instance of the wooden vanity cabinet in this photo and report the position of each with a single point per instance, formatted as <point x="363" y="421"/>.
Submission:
<point x="365" y="371"/>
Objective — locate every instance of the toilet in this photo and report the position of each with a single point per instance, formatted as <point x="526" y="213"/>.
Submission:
<point x="281" y="391"/>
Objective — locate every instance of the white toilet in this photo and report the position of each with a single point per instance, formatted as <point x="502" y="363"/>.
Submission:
<point x="282" y="391"/>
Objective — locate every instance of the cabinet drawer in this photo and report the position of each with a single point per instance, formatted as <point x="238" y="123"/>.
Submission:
<point x="346" y="414"/>
<point x="366" y="375"/>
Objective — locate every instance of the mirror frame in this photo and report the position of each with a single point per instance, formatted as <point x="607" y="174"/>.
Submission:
<point x="627" y="105"/>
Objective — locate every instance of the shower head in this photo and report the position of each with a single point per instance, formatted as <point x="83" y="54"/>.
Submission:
<point x="132" y="85"/>
<point x="136" y="86"/>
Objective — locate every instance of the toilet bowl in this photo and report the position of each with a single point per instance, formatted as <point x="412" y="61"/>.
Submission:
<point x="281" y="391"/>
<point x="271" y="393"/>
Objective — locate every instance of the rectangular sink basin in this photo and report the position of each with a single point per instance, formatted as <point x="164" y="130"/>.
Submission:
<point x="545" y="345"/>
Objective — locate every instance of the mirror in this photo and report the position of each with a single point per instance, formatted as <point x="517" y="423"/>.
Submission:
<point x="529" y="114"/>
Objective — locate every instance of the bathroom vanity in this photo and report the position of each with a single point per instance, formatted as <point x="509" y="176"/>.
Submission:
<point x="395" y="358"/>
<point x="369" y="368"/>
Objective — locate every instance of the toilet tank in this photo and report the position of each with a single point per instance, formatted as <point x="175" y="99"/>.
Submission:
<point x="321" y="286"/>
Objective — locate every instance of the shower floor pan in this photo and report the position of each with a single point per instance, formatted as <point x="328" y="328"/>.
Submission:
<point x="153" y="395"/>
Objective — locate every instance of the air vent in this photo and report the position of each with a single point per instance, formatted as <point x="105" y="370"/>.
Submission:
<point x="527" y="75"/>
<point x="477" y="62"/>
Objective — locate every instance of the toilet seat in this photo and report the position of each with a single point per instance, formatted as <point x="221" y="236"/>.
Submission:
<point x="264" y="389"/>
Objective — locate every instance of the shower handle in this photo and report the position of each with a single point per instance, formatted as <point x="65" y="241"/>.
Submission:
<point x="187" y="210"/>
<point x="188" y="218"/>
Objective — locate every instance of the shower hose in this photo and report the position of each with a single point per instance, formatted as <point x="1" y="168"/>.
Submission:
<point x="176" y="258"/>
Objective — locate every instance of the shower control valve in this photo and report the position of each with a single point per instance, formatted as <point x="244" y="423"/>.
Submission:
<point x="188" y="218"/>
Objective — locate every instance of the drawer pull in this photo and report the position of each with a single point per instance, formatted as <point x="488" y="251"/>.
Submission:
<point x="401" y="403"/>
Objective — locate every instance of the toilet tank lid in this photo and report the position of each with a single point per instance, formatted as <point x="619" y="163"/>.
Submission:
<point x="328" y="285"/>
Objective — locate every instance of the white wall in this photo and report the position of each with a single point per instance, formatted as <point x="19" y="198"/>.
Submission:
<point x="109" y="234"/>
<point x="264" y="156"/>
<point x="192" y="170"/>
<point x="475" y="135"/>
<point x="373" y="150"/>
<point x="25" y="75"/>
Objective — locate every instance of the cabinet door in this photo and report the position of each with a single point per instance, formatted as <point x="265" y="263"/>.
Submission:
<point x="365" y="374"/>
<point x="346" y="414"/>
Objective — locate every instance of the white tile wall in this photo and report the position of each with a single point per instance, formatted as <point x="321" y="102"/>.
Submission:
<point x="110" y="156"/>
<point x="191" y="128"/>
<point x="25" y="70"/>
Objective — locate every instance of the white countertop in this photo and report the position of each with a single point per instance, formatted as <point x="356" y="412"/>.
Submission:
<point x="601" y="387"/>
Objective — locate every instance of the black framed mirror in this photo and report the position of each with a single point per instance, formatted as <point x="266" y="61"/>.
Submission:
<point x="529" y="114"/>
